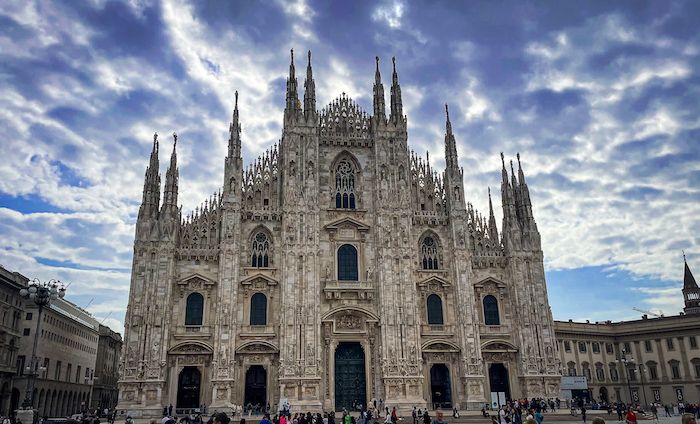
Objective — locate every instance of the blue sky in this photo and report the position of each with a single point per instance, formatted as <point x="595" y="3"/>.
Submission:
<point x="602" y="99"/>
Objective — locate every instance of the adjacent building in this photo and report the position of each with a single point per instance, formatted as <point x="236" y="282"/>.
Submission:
<point x="66" y="352"/>
<point x="338" y="268"/>
<point x="109" y="345"/>
<point x="651" y="359"/>
<point x="11" y="316"/>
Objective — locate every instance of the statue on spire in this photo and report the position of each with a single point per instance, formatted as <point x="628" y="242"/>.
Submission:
<point x="396" y="103"/>
<point x="379" y="107"/>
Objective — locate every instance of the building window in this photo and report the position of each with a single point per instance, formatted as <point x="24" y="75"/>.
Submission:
<point x="29" y="316"/>
<point x="596" y="347"/>
<point x="567" y="346"/>
<point x="434" y="305"/>
<point x="194" y="309"/>
<point x="693" y="342"/>
<point x="632" y="373"/>
<point x="582" y="347"/>
<point x="47" y="362"/>
<point x="653" y="374"/>
<point x="600" y="373"/>
<point x="608" y="348"/>
<point x="347" y="263"/>
<point x="77" y="374"/>
<point x="571" y="369"/>
<point x="260" y="257"/>
<point x="344" y="185"/>
<point x="697" y="369"/>
<point x="26" y="331"/>
<point x="613" y="373"/>
<point x="69" y="368"/>
<point x="258" y="309"/>
<point x="587" y="372"/>
<point x="675" y="370"/>
<point x="669" y="343"/>
<point x="647" y="345"/>
<point x="57" y="373"/>
<point x="20" y="364"/>
<point x="491" y="311"/>
<point x="627" y="347"/>
<point x="429" y="253"/>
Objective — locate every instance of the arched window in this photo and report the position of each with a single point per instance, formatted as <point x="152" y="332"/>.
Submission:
<point x="347" y="263"/>
<point x="434" y="305"/>
<point x="429" y="253"/>
<point x="194" y="309"/>
<point x="345" y="185"/>
<point x="258" y="309"/>
<point x="260" y="251"/>
<point x="491" y="311"/>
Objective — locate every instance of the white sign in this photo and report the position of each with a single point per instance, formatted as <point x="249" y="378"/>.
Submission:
<point x="574" y="383"/>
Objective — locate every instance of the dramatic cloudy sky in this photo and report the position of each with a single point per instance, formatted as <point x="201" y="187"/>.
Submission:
<point x="602" y="99"/>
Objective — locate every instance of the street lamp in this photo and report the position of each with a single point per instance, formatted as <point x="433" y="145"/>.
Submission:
<point x="626" y="362"/>
<point x="42" y="294"/>
<point x="643" y="371"/>
<point x="91" y="381"/>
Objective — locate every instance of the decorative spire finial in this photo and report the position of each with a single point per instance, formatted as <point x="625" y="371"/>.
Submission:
<point x="503" y="162"/>
<point x="235" y="105"/>
<point x="684" y="256"/>
<point x="309" y="57"/>
<point x="175" y="138"/>
<point x="155" y="138"/>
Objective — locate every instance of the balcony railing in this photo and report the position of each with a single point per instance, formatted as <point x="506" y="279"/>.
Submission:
<point x="192" y="331"/>
<point x="436" y="329"/>
<point x="257" y="331"/>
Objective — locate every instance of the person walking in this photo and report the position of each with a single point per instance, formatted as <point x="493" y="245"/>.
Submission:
<point x="583" y="414"/>
<point x="630" y="417"/>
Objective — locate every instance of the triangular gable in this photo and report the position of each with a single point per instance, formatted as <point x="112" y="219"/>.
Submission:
<point x="480" y="284"/>
<point x="346" y="222"/>
<point x="196" y="278"/>
<point x="434" y="279"/>
<point x="259" y="276"/>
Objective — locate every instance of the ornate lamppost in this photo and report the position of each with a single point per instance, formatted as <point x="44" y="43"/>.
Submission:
<point x="42" y="294"/>
<point x="642" y="372"/>
<point x="626" y="363"/>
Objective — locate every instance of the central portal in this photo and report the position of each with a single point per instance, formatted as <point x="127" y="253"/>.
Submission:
<point x="188" y="388"/>
<point x="256" y="387"/>
<point x="350" y="381"/>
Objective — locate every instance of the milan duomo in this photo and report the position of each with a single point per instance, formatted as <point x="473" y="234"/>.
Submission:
<point x="337" y="269"/>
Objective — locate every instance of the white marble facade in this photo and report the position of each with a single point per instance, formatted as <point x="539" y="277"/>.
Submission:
<point x="337" y="257"/>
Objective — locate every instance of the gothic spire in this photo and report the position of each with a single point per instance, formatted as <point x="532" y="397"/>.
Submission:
<point x="524" y="192"/>
<point x="493" y="230"/>
<point x="309" y="92"/>
<point x="507" y="198"/>
<point x="292" y="96"/>
<point x="151" y="185"/>
<point x="234" y="141"/>
<point x="171" y="180"/>
<point x="688" y="278"/>
<point x="379" y="107"/>
<point x="691" y="291"/>
<point x="451" y="158"/>
<point x="396" y="104"/>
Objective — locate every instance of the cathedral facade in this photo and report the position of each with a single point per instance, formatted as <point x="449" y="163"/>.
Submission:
<point x="337" y="269"/>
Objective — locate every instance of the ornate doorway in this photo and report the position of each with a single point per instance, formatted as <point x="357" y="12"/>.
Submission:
<point x="440" y="387"/>
<point x="350" y="379"/>
<point x="188" y="388"/>
<point x="498" y="380"/>
<point x="603" y="394"/>
<point x="256" y="386"/>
